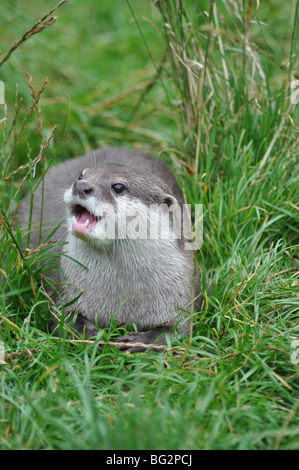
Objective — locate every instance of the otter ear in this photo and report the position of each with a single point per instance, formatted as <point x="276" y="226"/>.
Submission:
<point x="169" y="200"/>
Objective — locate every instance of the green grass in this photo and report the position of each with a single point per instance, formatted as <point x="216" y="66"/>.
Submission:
<point x="230" y="131"/>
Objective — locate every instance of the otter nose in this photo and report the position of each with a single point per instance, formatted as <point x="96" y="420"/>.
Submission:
<point x="82" y="189"/>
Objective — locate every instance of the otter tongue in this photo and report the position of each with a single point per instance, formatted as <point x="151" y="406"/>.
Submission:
<point x="84" y="223"/>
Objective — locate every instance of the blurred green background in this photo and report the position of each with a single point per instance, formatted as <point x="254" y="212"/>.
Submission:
<point x="101" y="71"/>
<point x="98" y="67"/>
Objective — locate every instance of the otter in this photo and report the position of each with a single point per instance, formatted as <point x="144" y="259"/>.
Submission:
<point x="124" y="255"/>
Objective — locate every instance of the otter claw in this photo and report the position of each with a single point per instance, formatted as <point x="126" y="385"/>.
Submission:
<point x="146" y="338"/>
<point x="134" y="337"/>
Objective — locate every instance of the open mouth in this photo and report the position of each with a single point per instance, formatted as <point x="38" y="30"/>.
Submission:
<point x="83" y="221"/>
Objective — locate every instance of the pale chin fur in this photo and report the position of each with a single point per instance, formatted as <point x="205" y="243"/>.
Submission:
<point x="100" y="235"/>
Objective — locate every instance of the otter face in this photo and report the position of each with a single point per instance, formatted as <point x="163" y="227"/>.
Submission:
<point x="112" y="202"/>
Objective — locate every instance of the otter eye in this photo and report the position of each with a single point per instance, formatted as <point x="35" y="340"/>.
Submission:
<point x="80" y="177"/>
<point x="118" y="188"/>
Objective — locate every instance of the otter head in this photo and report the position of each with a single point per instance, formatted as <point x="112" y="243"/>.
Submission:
<point x="110" y="202"/>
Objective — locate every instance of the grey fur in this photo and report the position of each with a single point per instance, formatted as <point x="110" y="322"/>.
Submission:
<point x="145" y="282"/>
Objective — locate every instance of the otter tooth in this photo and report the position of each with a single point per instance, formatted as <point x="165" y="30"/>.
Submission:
<point x="86" y="223"/>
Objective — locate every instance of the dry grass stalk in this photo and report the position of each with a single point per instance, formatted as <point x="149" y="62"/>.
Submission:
<point x="44" y="22"/>
<point x="36" y="94"/>
<point x="30" y="166"/>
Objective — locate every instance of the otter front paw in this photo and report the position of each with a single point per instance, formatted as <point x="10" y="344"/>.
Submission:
<point x="141" y="341"/>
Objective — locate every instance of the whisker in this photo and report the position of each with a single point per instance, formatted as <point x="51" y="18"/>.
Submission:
<point x="74" y="177"/>
<point x="94" y="158"/>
